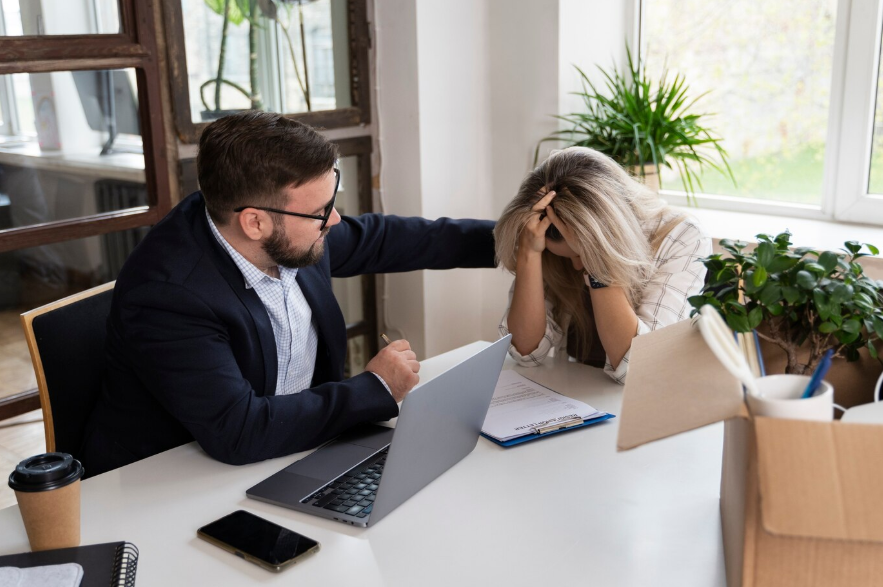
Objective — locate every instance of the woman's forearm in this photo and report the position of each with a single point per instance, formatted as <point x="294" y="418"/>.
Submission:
<point x="615" y="320"/>
<point x="527" y="314"/>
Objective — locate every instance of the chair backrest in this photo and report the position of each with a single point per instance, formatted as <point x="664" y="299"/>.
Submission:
<point x="66" y="340"/>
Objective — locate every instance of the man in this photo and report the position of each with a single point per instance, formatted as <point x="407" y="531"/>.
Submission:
<point x="223" y="326"/>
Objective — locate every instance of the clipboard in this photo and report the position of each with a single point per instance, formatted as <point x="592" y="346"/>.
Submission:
<point x="543" y="433"/>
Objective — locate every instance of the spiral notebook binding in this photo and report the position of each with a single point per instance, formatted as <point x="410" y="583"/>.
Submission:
<point x="125" y="565"/>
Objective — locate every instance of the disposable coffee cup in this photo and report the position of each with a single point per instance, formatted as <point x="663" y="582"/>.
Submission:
<point x="780" y="396"/>
<point x="47" y="488"/>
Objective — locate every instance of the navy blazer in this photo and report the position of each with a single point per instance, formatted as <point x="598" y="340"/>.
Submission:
<point x="191" y="352"/>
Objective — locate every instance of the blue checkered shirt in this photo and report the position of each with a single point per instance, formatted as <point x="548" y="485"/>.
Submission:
<point x="290" y="315"/>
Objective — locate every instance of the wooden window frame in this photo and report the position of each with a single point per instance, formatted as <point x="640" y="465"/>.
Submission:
<point x="134" y="47"/>
<point x="359" y="43"/>
<point x="361" y="148"/>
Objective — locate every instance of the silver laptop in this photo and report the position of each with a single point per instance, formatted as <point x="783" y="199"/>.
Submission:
<point x="369" y="471"/>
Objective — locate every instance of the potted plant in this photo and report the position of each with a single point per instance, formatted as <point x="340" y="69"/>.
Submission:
<point x="807" y="301"/>
<point x="644" y="126"/>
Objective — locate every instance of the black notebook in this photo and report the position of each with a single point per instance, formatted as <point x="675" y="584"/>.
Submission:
<point x="104" y="565"/>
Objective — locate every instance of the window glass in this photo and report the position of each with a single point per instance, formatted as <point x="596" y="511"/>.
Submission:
<point x="78" y="151"/>
<point x="875" y="182"/>
<point x="300" y="61"/>
<point x="767" y="67"/>
<point x="32" y="277"/>
<point x="59" y="17"/>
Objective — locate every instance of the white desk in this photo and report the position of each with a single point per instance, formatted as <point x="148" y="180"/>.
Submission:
<point x="565" y="510"/>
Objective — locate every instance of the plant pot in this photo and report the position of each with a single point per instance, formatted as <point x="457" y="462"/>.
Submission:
<point x="649" y="177"/>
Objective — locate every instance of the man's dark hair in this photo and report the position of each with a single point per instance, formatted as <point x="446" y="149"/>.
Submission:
<point x="247" y="159"/>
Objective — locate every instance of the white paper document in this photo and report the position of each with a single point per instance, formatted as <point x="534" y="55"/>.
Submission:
<point x="520" y="406"/>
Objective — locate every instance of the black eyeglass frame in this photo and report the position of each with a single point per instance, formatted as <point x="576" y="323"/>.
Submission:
<point x="324" y="218"/>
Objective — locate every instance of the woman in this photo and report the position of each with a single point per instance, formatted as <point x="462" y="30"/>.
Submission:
<point x="598" y="259"/>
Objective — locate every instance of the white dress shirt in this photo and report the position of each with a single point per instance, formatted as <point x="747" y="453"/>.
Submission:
<point x="290" y="316"/>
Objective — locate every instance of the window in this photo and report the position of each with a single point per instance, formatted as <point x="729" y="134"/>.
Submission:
<point x="304" y="58"/>
<point x="82" y="165"/>
<point x="797" y="117"/>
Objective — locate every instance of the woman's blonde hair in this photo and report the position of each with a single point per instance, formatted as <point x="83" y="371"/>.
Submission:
<point x="617" y="221"/>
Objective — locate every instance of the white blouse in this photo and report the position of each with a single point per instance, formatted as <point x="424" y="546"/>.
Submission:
<point x="678" y="276"/>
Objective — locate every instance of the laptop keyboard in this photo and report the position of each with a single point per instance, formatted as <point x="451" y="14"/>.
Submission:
<point x="352" y="493"/>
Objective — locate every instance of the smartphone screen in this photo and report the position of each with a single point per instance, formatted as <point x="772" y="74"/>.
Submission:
<point x="258" y="538"/>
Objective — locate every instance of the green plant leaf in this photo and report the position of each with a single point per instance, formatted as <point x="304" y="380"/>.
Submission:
<point x="782" y="263"/>
<point x="864" y="301"/>
<point x="776" y="310"/>
<point x="755" y="317"/>
<point x="770" y="294"/>
<point x="878" y="326"/>
<point x="765" y="252"/>
<point x="234" y="15"/>
<point x="760" y="276"/>
<point x="841" y="293"/>
<point x="872" y="248"/>
<point x="697" y="301"/>
<point x="806" y="280"/>
<point x="872" y="350"/>
<point x="783" y="240"/>
<point x="852" y="326"/>
<point x="815" y="267"/>
<point x="821" y="304"/>
<point x="828" y="260"/>
<point x="738" y="322"/>
<point x="846" y="337"/>
<point x="792" y="294"/>
<point x="853" y="246"/>
<point x="827" y="327"/>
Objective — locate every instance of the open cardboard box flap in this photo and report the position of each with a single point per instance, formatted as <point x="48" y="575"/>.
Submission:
<point x="816" y="479"/>
<point x="675" y="384"/>
<point x="820" y="479"/>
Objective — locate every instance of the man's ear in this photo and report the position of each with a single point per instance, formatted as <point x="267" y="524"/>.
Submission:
<point x="255" y="224"/>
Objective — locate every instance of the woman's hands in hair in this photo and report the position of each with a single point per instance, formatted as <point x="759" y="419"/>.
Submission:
<point x="566" y="232"/>
<point x="533" y="235"/>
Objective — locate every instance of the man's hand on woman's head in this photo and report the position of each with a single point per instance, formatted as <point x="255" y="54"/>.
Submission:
<point x="533" y="235"/>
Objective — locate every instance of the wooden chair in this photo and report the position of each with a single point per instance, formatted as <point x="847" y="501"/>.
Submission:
<point x="66" y="340"/>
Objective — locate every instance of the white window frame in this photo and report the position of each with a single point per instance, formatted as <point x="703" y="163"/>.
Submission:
<point x="850" y="129"/>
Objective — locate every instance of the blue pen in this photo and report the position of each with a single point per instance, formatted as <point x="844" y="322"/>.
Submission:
<point x="818" y="375"/>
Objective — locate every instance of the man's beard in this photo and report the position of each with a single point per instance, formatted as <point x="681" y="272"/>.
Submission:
<point x="279" y="249"/>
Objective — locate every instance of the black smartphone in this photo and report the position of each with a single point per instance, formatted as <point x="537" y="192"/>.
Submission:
<point x="258" y="540"/>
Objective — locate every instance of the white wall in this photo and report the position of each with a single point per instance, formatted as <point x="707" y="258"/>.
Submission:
<point x="465" y="89"/>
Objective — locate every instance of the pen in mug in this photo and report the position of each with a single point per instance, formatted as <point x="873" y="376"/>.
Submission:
<point x="385" y="339"/>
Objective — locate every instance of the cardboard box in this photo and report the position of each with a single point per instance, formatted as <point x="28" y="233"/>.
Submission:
<point x="801" y="502"/>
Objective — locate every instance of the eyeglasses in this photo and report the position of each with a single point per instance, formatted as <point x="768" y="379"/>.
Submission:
<point x="326" y="214"/>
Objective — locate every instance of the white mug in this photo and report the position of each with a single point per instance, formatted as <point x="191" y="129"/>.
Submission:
<point x="779" y="396"/>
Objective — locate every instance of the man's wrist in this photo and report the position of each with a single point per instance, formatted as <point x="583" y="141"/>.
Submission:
<point x="381" y="381"/>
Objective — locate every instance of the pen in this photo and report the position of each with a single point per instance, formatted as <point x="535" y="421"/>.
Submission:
<point x="385" y="339"/>
<point x="818" y="374"/>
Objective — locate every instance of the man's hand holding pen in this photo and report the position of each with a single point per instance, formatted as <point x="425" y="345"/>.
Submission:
<point x="397" y="365"/>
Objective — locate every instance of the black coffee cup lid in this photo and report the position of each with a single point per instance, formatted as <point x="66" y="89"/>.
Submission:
<point x="44" y="472"/>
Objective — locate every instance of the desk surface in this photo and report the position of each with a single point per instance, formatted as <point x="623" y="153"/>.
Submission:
<point x="566" y="509"/>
